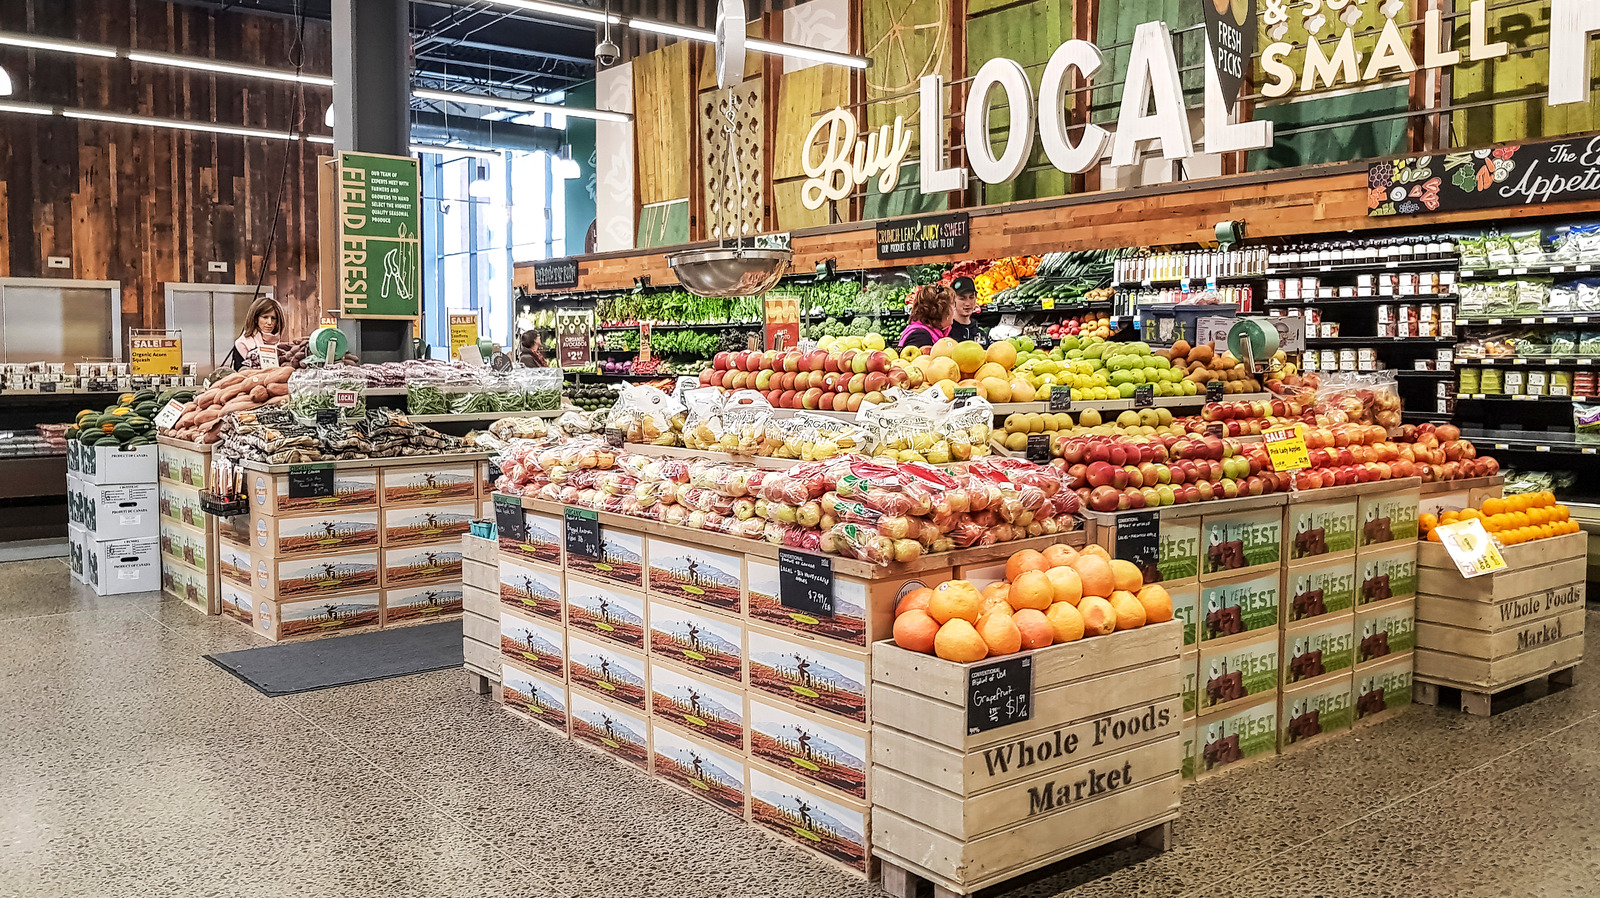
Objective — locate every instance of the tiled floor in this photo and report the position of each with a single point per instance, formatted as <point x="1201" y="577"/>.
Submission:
<point x="133" y="767"/>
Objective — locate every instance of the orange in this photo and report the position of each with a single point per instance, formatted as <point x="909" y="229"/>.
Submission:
<point x="1127" y="575"/>
<point x="915" y="599"/>
<point x="915" y="631"/>
<point x="1032" y="590"/>
<point x="993" y="604"/>
<point x="1427" y="521"/>
<point x="1157" y="603"/>
<point x="1470" y="513"/>
<point x="1034" y="627"/>
<point x="1059" y="555"/>
<point x="1547" y="498"/>
<point x="1000" y="634"/>
<point x="1065" y="622"/>
<point x="1562" y="512"/>
<point x="1493" y="506"/>
<point x="1096" y="574"/>
<point x="954" y="599"/>
<point x="1026" y="560"/>
<point x="1130" y="611"/>
<point x="1099" y="618"/>
<point x="1450" y="517"/>
<point x="959" y="641"/>
<point x="1433" y="537"/>
<point x="1097" y="551"/>
<point x="997" y="588"/>
<point x="1065" y="584"/>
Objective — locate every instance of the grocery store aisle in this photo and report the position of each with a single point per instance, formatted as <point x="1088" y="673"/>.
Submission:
<point x="135" y="767"/>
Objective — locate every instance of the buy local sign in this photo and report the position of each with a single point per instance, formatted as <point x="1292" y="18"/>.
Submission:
<point x="837" y="159"/>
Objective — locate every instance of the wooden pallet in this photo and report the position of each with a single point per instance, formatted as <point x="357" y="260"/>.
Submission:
<point x="1481" y="703"/>
<point x="903" y="882"/>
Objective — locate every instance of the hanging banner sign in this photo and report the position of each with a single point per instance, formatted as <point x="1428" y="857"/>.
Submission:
<point x="925" y="235"/>
<point x="1231" y="37"/>
<point x="573" y="330"/>
<point x="557" y="274"/>
<point x="1528" y="175"/>
<point x="380" y="236"/>
<point x="156" y="355"/>
<point x="463" y="332"/>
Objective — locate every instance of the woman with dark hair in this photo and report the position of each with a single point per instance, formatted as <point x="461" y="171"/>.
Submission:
<point x="930" y="317"/>
<point x="531" y="354"/>
<point x="261" y="326"/>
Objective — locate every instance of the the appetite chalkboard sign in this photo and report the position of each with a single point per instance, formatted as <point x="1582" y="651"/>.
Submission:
<point x="1528" y="175"/>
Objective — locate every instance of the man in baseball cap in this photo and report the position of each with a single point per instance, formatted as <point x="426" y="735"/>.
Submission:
<point x="962" y="326"/>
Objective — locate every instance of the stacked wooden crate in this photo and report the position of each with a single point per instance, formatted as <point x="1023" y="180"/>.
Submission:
<point x="1318" y="613"/>
<point x="480" y="611"/>
<point x="1386" y="590"/>
<point x="188" y="535"/>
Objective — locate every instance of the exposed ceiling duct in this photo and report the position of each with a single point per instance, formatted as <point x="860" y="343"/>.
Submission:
<point x="437" y="128"/>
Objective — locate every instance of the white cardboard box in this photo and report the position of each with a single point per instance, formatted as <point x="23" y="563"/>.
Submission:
<point x="120" y="511"/>
<point x="117" y="567"/>
<point x="108" y="464"/>
<point x="77" y="546"/>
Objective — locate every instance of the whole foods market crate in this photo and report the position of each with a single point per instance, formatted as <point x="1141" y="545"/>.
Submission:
<point x="1490" y="634"/>
<point x="1098" y="759"/>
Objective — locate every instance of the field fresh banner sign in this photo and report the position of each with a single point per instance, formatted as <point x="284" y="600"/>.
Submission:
<point x="1526" y="175"/>
<point x="837" y="161"/>
<point x="380" y="236"/>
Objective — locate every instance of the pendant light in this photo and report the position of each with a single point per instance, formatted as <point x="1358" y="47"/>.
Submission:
<point x="5" y="82"/>
<point x="480" y="186"/>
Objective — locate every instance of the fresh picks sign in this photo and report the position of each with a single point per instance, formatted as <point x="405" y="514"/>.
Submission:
<point x="837" y="159"/>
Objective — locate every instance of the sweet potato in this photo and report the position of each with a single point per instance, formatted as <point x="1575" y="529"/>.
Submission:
<point x="277" y="389"/>
<point x="210" y="414"/>
<point x="259" y="394"/>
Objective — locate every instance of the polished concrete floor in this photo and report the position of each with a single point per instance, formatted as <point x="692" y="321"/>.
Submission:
<point x="134" y="767"/>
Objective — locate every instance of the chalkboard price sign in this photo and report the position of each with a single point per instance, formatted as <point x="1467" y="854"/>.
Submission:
<point x="805" y="582"/>
<point x="1060" y="399"/>
<point x="1214" y="390"/>
<point x="1138" y="540"/>
<point x="508" y="520"/>
<point x="1144" y="395"/>
<point x="583" y="533"/>
<point x="1039" y="448"/>
<point x="310" y="481"/>
<point x="999" y="694"/>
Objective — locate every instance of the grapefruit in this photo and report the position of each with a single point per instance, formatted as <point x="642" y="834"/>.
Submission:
<point x="1127" y="575"/>
<point x="990" y="369"/>
<point x="959" y="641"/>
<point x="1157" y="604"/>
<point x="970" y="355"/>
<point x="1065" y="622"/>
<point x="915" y="631"/>
<point x="1130" y="611"/>
<point x="1058" y="555"/>
<point x="1004" y="354"/>
<point x="994" y="603"/>
<point x="955" y="599"/>
<point x="1099" y="618"/>
<point x="1000" y="634"/>
<point x="1098" y="551"/>
<point x="1034" y="627"/>
<point x="943" y="348"/>
<point x="1032" y="589"/>
<point x="1065" y="585"/>
<point x="1025" y="560"/>
<point x="916" y="598"/>
<point x="1096" y="574"/>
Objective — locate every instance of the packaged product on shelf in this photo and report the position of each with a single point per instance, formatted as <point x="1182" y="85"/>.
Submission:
<point x="426" y="391"/>
<point x="1474" y="251"/>
<point x="647" y="415"/>
<point x="338" y="388"/>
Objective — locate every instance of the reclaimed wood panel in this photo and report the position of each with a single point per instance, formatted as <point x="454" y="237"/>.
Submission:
<point x="663" y="129"/>
<point x="146" y="206"/>
<point x="1028" y="33"/>
<point x="1525" y="70"/>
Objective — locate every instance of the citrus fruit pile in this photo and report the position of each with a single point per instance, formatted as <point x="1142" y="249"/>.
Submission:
<point x="1513" y="520"/>
<point x="1058" y="595"/>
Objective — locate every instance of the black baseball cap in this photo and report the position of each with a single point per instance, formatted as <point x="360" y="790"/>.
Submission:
<point x="962" y="286"/>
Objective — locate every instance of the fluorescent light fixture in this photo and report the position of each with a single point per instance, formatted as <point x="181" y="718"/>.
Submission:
<point x="28" y="108"/>
<point x="178" y="124"/>
<point x="559" y="10"/>
<point x="673" y="30"/>
<point x="600" y="115"/>
<point x="227" y="68"/>
<point x="327" y="119"/>
<point x="318" y="138"/>
<point x="443" y="150"/>
<point x="12" y="39"/>
<point x="5" y="83"/>
<point x="796" y="51"/>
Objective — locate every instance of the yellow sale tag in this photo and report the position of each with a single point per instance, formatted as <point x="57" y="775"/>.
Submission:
<point x="1286" y="449"/>
<point x="1471" y="548"/>
<point x="156" y="355"/>
<point x="463" y="331"/>
<point x="1048" y="303"/>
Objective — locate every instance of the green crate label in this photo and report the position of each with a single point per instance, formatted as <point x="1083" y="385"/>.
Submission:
<point x="1386" y="633"/>
<point x="1389" y="518"/>
<point x="1321" y="529"/>
<point x="1319" y="650"/>
<point x="1191" y="684"/>
<point x="1188" y="753"/>
<point x="1179" y="552"/>
<point x="1185" y="603"/>
<point x="1321" y="590"/>
<point x="1389" y="576"/>
<point x="1235" y="543"/>
<point x="1233" y="608"/>
<point x="1239" y="672"/>
<point x="1383" y="689"/>
<point x="1251" y="732"/>
<point x="1314" y="711"/>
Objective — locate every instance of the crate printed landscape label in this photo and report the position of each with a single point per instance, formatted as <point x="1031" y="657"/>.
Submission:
<point x="1318" y="709"/>
<point x="1319" y="650"/>
<point x="1321" y="589"/>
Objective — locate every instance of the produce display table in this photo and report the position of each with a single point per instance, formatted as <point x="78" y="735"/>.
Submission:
<point x="673" y="650"/>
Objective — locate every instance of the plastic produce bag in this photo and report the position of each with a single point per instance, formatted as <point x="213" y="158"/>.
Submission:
<point x="337" y="388"/>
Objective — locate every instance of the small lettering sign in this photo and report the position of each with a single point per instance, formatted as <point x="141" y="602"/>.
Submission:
<point x="310" y="481"/>
<point x="999" y="694"/>
<point x="805" y="582"/>
<point x="925" y="235"/>
<point x="583" y="533"/>
<point x="556" y="274"/>
<point x="508" y="519"/>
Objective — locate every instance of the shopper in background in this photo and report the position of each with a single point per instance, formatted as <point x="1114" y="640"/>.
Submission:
<point x="261" y="324"/>
<point x="930" y="317"/>
<point x="962" y="326"/>
<point x="532" y="354"/>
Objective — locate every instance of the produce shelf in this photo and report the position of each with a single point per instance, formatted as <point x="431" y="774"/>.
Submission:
<point x="1376" y="341"/>
<point x="1536" y="361"/>
<point x="1518" y="271"/>
<point x="1509" y="397"/>
<point x="1363" y="300"/>
<point x="1202" y="281"/>
<point x="1359" y="267"/>
<point x="1566" y="318"/>
<point x="680" y="327"/>
<point x="1532" y="441"/>
<point x="485" y="416"/>
<point x="1122" y="405"/>
<point x="1425" y="374"/>
<point x="354" y="464"/>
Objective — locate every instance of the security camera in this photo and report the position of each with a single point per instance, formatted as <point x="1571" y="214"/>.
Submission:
<point x="606" y="52"/>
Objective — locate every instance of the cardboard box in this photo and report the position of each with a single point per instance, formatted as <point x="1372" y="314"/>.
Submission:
<point x="188" y="585"/>
<point x="540" y="698"/>
<point x="1314" y="709"/>
<point x="1388" y="573"/>
<point x="1178" y="549"/>
<point x="531" y="590"/>
<point x="608" y="671"/>
<point x="800" y="671"/>
<point x="1191" y="748"/>
<point x="416" y="565"/>
<point x="806" y="817"/>
<point x="107" y="465"/>
<point x="620" y="732"/>
<point x="863" y="611"/>
<point x="1321" y="529"/>
<point x="234" y="564"/>
<point x="319" y="617"/>
<point x="121" y="566"/>
<point x="329" y="531"/>
<point x="1240" y="605"/>
<point x="1236" y="735"/>
<point x="120" y="511"/>
<point x="75" y="500"/>
<point x="1319" y="588"/>
<point x="293" y="579"/>
<point x="184" y="545"/>
<point x="534" y="645"/>
<point x="1385" y="629"/>
<point x="421" y="525"/>
<point x="237" y="602"/>
<point x="606" y="612"/>
<point x="621" y="558"/>
<point x="817" y="751"/>
<point x="77" y="550"/>
<point x="187" y="467"/>
<point x="701" y="769"/>
<point x="1240" y="542"/>
<point x="1186" y="608"/>
<point x="1383" y="687"/>
<point x="698" y="639"/>
<point x="416" y="604"/>
<point x="1236" y="671"/>
<point x="181" y="505"/>
<point x="1189" y="662"/>
<point x="352" y="489"/>
<point x="1321" y="647"/>
<point x="429" y="483"/>
<point x="1388" y="517"/>
<point x="544" y="542"/>
<point x="696" y="705"/>
<point x="696" y="576"/>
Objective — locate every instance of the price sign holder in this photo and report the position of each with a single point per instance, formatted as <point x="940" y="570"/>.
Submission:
<point x="170" y="413"/>
<point x="1215" y="390"/>
<point x="1144" y="395"/>
<point x="965" y="393"/>
<point x="268" y="354"/>
<point x="583" y="533"/>
<point x="1471" y="548"/>
<point x="1060" y="399"/>
<point x="805" y="582"/>
<point x="1137" y="540"/>
<point x="1286" y="449"/>
<point x="999" y="694"/>
<point x="508" y="519"/>
<point x="1039" y="448"/>
<point x="327" y="416"/>
<point x="310" y="481"/>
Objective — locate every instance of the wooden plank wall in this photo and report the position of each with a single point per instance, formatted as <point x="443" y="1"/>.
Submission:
<point x="663" y="122"/>
<point x="147" y="206"/>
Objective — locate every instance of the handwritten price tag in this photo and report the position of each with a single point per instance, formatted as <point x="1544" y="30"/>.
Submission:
<point x="1471" y="548"/>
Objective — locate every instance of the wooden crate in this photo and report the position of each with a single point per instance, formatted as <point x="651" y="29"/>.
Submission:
<point x="481" y="576"/>
<point x="538" y="698"/>
<point x="1530" y="567"/>
<point x="1232" y="545"/>
<point x="479" y="549"/>
<point x="1313" y="712"/>
<point x="1100" y="759"/>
